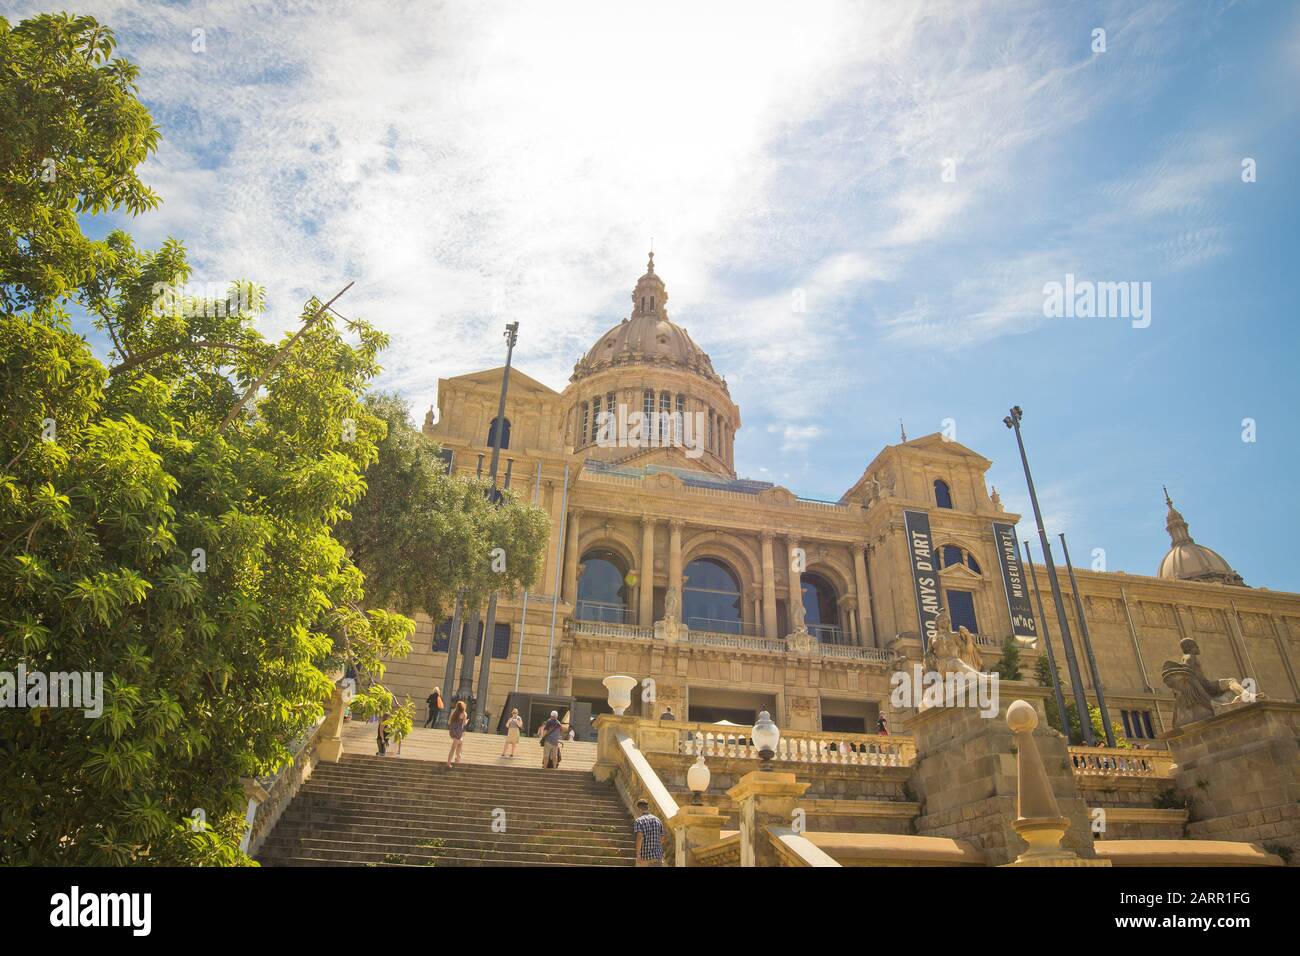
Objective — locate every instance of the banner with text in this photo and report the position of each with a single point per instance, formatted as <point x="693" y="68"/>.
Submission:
<point x="925" y="578"/>
<point x="1023" y="625"/>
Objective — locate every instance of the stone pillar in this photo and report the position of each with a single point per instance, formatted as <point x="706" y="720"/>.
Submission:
<point x="647" y="577"/>
<point x="794" y="576"/>
<point x="865" y="637"/>
<point x="764" y="798"/>
<point x="1241" y="769"/>
<point x="465" y="686"/>
<point x="769" y="589"/>
<point x="571" y="557"/>
<point x="1038" y="816"/>
<point x="331" y="745"/>
<point x="692" y="827"/>
<point x="850" y="606"/>
<point x="966" y="775"/>
<point x="675" y="560"/>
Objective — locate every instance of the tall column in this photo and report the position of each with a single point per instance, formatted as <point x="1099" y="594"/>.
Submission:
<point x="794" y="576"/>
<point x="453" y="646"/>
<point x="675" y="559"/>
<point x="485" y="666"/>
<point x="769" y="589"/>
<point x="465" y="687"/>
<point x="866" y="638"/>
<point x="646" y="613"/>
<point x="571" y="557"/>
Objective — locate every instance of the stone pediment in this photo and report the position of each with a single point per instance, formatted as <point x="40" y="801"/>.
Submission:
<point x="520" y="383"/>
<point x="935" y="444"/>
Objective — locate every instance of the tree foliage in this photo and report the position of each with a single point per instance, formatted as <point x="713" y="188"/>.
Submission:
<point x="421" y="535"/>
<point x="186" y="557"/>
<point x="1045" y="674"/>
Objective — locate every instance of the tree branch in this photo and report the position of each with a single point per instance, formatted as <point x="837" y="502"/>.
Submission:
<point x="280" y="356"/>
<point x="143" y="357"/>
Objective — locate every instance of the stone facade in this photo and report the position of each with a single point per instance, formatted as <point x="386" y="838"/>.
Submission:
<point x="657" y="509"/>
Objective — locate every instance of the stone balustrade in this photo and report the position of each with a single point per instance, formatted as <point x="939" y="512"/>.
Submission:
<point x="1116" y="762"/>
<point x="612" y="629"/>
<point x="795" y="746"/>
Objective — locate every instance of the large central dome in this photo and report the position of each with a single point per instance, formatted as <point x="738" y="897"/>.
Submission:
<point x="647" y="337"/>
<point x="647" y="369"/>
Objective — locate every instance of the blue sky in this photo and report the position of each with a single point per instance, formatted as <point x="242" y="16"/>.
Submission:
<point x="471" y="164"/>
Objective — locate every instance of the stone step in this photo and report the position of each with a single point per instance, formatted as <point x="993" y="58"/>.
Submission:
<point x="302" y="826"/>
<point x="366" y="810"/>
<point x="430" y="796"/>
<point x="314" y="812"/>
<point x="380" y="843"/>
<point x="446" y="863"/>
<point x="358" y="854"/>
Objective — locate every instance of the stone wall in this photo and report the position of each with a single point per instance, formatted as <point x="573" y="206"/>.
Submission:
<point x="1241" y="771"/>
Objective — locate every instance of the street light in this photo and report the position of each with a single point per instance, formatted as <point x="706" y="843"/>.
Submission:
<point x="697" y="779"/>
<point x="766" y="736"/>
<point x="495" y="496"/>
<point x="1012" y="421"/>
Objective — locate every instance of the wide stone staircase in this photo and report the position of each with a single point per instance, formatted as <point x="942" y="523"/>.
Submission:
<point x="380" y="811"/>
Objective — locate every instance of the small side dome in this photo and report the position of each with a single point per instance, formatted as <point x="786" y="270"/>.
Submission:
<point x="1188" y="561"/>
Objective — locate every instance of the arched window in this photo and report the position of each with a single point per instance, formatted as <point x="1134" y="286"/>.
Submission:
<point x="942" y="494"/>
<point x="665" y="417"/>
<point x="505" y="432"/>
<point x="595" y="417"/>
<point x="821" y="609"/>
<point x="602" y="588"/>
<point x="711" y="597"/>
<point x="647" y="410"/>
<point x="951" y="554"/>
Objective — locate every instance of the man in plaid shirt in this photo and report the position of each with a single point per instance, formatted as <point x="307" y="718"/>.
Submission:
<point x="649" y="836"/>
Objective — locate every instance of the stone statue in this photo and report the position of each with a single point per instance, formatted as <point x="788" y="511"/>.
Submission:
<point x="1194" y="693"/>
<point x="949" y="651"/>
<point x="672" y="605"/>
<point x="670" y="628"/>
<point x="800" y="617"/>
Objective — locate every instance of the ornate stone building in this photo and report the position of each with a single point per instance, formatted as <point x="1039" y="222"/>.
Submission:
<point x="800" y="607"/>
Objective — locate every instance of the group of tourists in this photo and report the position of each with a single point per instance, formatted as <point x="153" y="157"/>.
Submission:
<point x="647" y="827"/>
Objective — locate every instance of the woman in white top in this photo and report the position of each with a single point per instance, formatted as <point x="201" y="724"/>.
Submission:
<point x="513" y="725"/>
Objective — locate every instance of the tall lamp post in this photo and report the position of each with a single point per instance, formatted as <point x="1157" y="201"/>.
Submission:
<point x="489" y="628"/>
<point x="1012" y="421"/>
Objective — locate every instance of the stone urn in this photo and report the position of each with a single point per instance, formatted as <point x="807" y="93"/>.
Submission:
<point x="620" y="692"/>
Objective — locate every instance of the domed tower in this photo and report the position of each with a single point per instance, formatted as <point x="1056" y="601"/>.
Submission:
<point x="646" y="394"/>
<point x="1188" y="561"/>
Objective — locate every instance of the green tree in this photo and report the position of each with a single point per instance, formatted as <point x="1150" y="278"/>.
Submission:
<point x="74" y="134"/>
<point x="1045" y="674"/>
<point x="165" y="521"/>
<point x="421" y="535"/>
<point x="1008" y="667"/>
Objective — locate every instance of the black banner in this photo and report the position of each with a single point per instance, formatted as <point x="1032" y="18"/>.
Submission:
<point x="925" y="573"/>
<point x="1023" y="625"/>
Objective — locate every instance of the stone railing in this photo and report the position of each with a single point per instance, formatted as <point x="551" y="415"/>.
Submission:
<point x="853" y="653"/>
<point x="736" y="641"/>
<point x="611" y="629"/>
<point x="725" y="852"/>
<point x="795" y="746"/>
<point x="273" y="794"/>
<point x="794" y="849"/>
<point x="1115" y="762"/>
